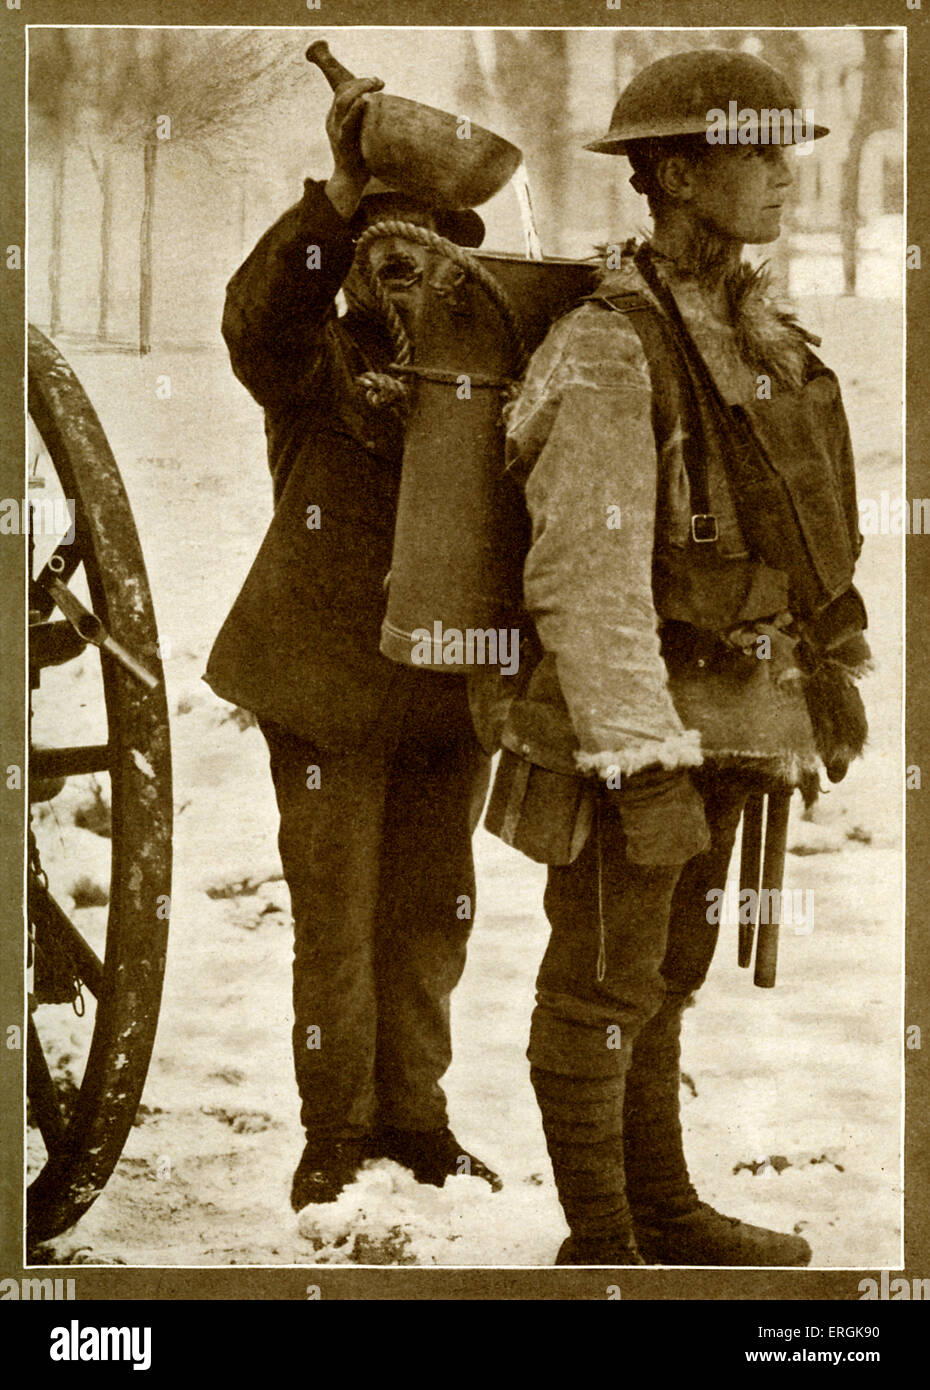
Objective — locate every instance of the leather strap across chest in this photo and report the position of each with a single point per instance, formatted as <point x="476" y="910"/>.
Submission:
<point x="799" y="529"/>
<point x="654" y="339"/>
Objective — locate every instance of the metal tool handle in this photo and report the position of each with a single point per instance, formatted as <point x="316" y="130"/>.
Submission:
<point x="773" y="872"/>
<point x="330" y="67"/>
<point x="90" y="629"/>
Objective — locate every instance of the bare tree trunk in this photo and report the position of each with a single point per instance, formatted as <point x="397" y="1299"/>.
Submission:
<point x="145" y="247"/>
<point x="54" y="259"/>
<point x="868" y="120"/>
<point x="106" y="237"/>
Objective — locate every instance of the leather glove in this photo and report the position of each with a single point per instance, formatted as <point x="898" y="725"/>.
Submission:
<point x="663" y="816"/>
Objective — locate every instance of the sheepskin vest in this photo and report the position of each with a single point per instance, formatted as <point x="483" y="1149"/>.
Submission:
<point x="772" y="486"/>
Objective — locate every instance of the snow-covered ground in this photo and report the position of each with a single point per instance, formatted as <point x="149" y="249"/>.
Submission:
<point x="792" y="1097"/>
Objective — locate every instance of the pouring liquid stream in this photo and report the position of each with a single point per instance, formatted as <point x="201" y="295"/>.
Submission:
<point x="521" y="188"/>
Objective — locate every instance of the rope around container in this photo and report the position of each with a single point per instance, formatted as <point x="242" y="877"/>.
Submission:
<point x="381" y="388"/>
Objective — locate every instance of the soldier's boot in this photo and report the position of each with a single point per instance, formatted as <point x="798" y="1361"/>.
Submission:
<point x="672" y="1225"/>
<point x="583" y="1123"/>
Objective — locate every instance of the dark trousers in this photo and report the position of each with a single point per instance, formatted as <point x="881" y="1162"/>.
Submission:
<point x="649" y="926"/>
<point x="378" y="861"/>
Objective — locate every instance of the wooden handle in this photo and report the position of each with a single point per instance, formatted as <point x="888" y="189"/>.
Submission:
<point x="773" y="872"/>
<point x="766" y="956"/>
<point x="749" y="870"/>
<point x="330" y="67"/>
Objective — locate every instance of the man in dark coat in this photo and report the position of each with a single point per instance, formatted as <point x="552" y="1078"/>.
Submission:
<point x="699" y="638"/>
<point x="378" y="775"/>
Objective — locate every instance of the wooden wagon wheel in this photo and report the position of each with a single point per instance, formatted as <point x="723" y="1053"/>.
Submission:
<point x="84" y="1133"/>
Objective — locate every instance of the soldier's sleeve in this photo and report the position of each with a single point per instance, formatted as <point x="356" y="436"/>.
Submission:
<point x="847" y="472"/>
<point x="840" y="628"/>
<point x="281" y="298"/>
<point x="580" y="439"/>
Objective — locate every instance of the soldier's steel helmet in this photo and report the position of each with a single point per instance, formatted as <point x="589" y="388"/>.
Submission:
<point x="676" y="94"/>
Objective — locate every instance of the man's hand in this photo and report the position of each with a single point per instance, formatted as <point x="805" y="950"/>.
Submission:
<point x="343" y="123"/>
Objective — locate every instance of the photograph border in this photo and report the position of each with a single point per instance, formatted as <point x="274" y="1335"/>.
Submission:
<point x="454" y="1283"/>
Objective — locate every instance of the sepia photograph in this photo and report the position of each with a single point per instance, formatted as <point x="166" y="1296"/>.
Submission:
<point x="465" y="515"/>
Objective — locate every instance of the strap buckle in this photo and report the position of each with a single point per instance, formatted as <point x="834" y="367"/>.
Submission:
<point x="704" y="527"/>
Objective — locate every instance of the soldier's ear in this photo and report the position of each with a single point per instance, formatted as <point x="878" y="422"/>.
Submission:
<point x="675" y="175"/>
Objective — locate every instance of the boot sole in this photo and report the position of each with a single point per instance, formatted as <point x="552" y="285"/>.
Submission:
<point x="655" y="1255"/>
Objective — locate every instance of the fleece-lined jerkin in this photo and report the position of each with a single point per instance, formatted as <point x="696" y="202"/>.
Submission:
<point x="602" y="493"/>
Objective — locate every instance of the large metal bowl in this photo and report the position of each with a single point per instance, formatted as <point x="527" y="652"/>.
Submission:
<point x="433" y="154"/>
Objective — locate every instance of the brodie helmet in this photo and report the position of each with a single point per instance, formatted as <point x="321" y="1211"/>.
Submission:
<point x="691" y="93"/>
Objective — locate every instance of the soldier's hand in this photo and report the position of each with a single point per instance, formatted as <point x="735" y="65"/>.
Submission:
<point x="343" y="123"/>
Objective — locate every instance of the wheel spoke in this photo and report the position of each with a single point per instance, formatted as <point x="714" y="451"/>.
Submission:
<point x="43" y="1096"/>
<point x="68" y="762"/>
<point x="44" y="911"/>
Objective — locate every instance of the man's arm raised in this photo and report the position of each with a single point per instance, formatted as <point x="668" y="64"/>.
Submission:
<point x="279" y="300"/>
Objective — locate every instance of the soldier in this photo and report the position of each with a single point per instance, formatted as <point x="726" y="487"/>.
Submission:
<point x="686" y="464"/>
<point x="378" y="775"/>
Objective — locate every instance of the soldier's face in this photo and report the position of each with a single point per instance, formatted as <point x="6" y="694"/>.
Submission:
<point x="397" y="264"/>
<point x="739" y="190"/>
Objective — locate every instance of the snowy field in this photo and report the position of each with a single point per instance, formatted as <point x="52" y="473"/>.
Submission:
<point x="792" y="1097"/>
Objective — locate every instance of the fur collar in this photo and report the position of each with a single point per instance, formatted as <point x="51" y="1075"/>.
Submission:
<point x="767" y="335"/>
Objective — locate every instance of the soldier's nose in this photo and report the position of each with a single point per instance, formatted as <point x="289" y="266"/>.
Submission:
<point x="782" y="170"/>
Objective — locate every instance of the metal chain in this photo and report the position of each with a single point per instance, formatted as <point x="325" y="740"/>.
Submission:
<point x="49" y="944"/>
<point x="35" y="862"/>
<point x="382" y="388"/>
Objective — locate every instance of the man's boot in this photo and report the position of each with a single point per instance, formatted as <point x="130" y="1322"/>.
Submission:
<point x="583" y="1123"/>
<point x="325" y="1169"/>
<point x="673" y="1226"/>
<point x="431" y="1155"/>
